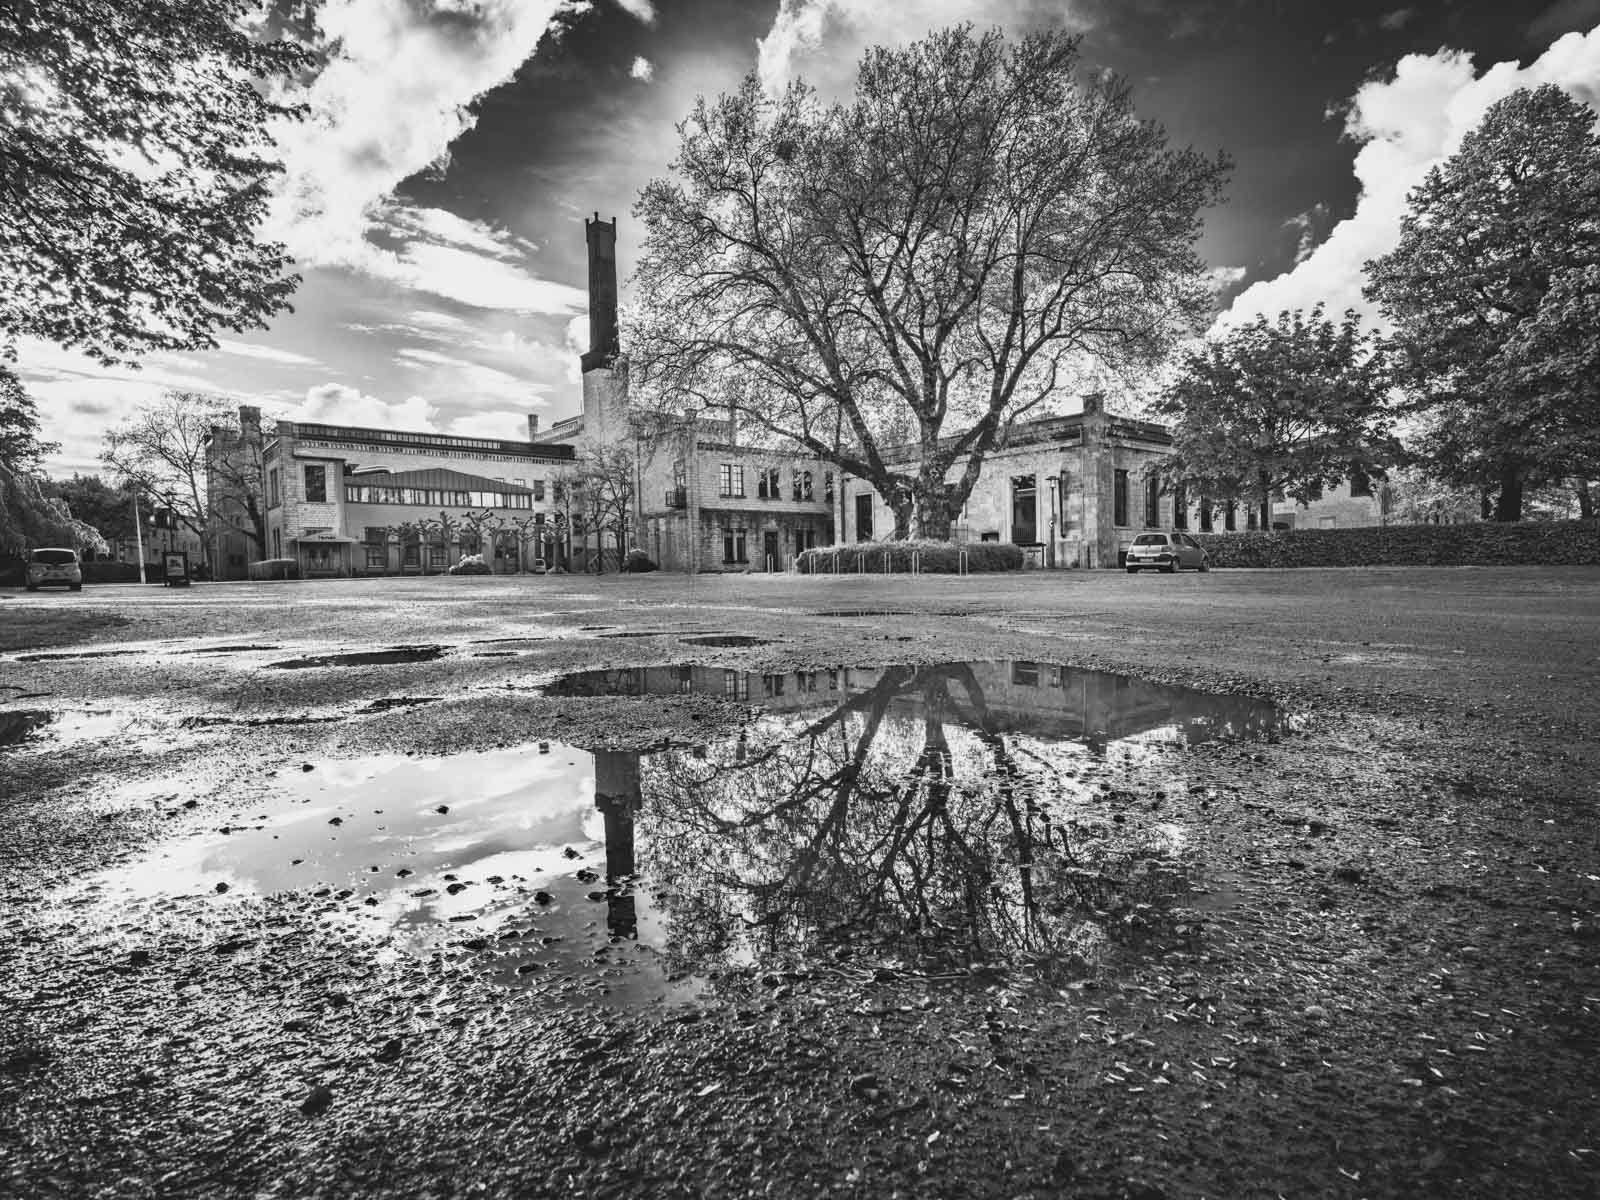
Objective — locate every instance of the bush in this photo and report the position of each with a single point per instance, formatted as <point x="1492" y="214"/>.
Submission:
<point x="471" y="564"/>
<point x="637" y="560"/>
<point x="274" y="568"/>
<point x="1481" y="544"/>
<point x="943" y="558"/>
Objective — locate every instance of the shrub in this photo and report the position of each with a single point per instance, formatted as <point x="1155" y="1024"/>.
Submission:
<point x="116" y="572"/>
<point x="1481" y="544"/>
<point x="637" y="560"/>
<point x="471" y="564"/>
<point x="274" y="568"/>
<point x="942" y="558"/>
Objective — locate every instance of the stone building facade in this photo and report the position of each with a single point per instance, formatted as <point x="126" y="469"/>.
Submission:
<point x="1072" y="491"/>
<point x="343" y="500"/>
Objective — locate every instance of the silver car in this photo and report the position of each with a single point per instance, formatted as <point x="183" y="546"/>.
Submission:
<point x="1167" y="552"/>
<point x="53" y="566"/>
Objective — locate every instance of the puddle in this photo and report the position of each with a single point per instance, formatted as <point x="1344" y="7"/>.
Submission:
<point x="78" y="654"/>
<point x="865" y="612"/>
<point x="638" y="633"/>
<point x="1041" y="699"/>
<point x="363" y="658"/>
<point x="956" y="820"/>
<point x="727" y="639"/>
<point x="29" y="730"/>
<point x="230" y="649"/>
<point x="18" y="727"/>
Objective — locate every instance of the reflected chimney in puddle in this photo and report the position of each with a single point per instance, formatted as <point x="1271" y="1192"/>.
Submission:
<point x="617" y="796"/>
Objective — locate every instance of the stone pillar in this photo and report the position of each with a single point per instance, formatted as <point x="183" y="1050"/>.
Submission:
<point x="1097" y="465"/>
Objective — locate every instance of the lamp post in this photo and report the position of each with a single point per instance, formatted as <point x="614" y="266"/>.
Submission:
<point x="138" y="536"/>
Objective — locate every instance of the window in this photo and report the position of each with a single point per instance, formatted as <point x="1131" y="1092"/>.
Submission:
<point x="1025" y="674"/>
<point x="827" y="486"/>
<point x="1180" y="508"/>
<point x="1360" y="484"/>
<point x="277" y="540"/>
<point x="316" y="484"/>
<point x="735" y="685"/>
<point x="1230" y="517"/>
<point x="771" y="685"/>
<point x="538" y="489"/>
<point x="1205" y="514"/>
<point x="1119" y="497"/>
<point x="864" y="517"/>
<point x="802" y="485"/>
<point x="273" y="497"/>
<point x="733" y="546"/>
<point x="731" y="479"/>
<point x="1152" y="502"/>
<point x="767" y="484"/>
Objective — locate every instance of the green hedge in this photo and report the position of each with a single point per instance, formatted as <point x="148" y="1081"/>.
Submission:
<point x="941" y="558"/>
<point x="1481" y="544"/>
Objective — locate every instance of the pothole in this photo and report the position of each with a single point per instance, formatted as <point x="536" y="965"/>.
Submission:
<point x="363" y="658"/>
<point x="865" y="612"/>
<point x="64" y="655"/>
<point x="18" y="726"/>
<point x="727" y="640"/>
<point x="247" y="649"/>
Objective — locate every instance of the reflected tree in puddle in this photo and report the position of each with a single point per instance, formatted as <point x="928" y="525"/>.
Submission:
<point x="904" y="821"/>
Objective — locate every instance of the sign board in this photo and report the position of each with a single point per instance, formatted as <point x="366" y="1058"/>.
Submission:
<point x="175" y="568"/>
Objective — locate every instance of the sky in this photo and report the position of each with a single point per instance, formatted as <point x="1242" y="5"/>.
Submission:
<point x="435" y="201"/>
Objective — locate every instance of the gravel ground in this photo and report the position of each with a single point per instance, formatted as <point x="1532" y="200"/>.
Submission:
<point x="1379" y="981"/>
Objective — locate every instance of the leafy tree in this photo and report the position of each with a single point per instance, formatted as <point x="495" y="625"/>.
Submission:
<point x="29" y="514"/>
<point x="1494" y="291"/>
<point x="1290" y="405"/>
<point x="162" y="450"/>
<point x="920" y="267"/>
<point x="91" y="500"/>
<point x="134" y="172"/>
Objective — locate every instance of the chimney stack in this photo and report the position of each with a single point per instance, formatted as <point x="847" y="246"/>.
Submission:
<point x="533" y="427"/>
<point x="604" y="340"/>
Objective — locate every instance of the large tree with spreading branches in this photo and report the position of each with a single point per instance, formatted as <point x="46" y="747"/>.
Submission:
<point x="891" y="283"/>
<point x="1290" y="405"/>
<point x="135" y="164"/>
<point x="1494" y="291"/>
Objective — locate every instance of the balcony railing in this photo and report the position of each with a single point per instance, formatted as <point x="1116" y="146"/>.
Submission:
<point x="677" y="497"/>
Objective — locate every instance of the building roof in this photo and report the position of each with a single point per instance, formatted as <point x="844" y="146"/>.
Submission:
<point x="436" y="478"/>
<point x="387" y="439"/>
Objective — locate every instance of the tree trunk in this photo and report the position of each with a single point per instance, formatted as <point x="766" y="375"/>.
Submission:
<point x="933" y="518"/>
<point x="902" y="520"/>
<point x="1266" y="503"/>
<point x="1486" y="504"/>
<point x="1509" y="505"/>
<point x="1585" y="500"/>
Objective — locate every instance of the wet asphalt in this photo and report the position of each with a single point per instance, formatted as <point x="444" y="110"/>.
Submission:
<point x="1356" y="957"/>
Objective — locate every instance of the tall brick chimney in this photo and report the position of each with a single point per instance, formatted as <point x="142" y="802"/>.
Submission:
<point x="533" y="427"/>
<point x="604" y="340"/>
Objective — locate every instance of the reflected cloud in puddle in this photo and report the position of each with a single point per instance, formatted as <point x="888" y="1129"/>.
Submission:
<point x="941" y="817"/>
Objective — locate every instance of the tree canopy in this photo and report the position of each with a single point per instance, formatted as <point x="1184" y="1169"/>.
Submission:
<point x="1494" y="291"/>
<point x="1290" y="405"/>
<point x="29" y="515"/>
<point x="134" y="173"/>
<point x="891" y="283"/>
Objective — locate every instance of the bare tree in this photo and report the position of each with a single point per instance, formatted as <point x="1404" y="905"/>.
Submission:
<point x="921" y="267"/>
<point x="162" y="450"/>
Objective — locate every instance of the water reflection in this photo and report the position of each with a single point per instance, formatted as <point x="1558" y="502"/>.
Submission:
<point x="941" y="816"/>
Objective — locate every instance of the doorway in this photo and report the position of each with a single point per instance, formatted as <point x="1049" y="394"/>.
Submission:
<point x="864" y="517"/>
<point x="771" y="558"/>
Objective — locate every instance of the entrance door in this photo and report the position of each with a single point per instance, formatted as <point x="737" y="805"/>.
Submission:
<point x="771" y="558"/>
<point x="864" y="518"/>
<point x="1024" y="510"/>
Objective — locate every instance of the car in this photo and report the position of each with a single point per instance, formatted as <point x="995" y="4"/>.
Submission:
<point x="54" y="566"/>
<point x="1167" y="552"/>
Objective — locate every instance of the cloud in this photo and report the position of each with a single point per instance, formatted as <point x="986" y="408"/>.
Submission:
<point x="1406" y="124"/>
<point x="340" y="404"/>
<point x="643" y="10"/>
<point x="822" y="40"/>
<point x="1310" y="227"/>
<point x="1225" y="278"/>
<point x="1398" y="19"/>
<point x="481" y="281"/>
<point x="265" y="353"/>
<point x="388" y="105"/>
<point x="1564" y="16"/>
<point x="643" y="69"/>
